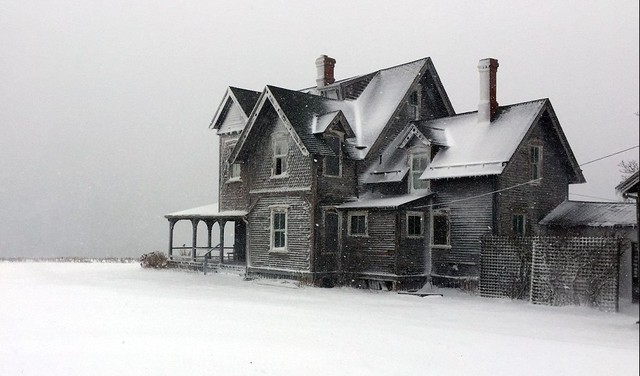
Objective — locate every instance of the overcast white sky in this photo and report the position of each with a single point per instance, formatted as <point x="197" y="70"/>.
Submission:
<point x="106" y="104"/>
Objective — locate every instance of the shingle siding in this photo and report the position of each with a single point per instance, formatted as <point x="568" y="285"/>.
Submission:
<point x="536" y="200"/>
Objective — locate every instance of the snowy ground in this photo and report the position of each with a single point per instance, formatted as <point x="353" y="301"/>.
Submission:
<point x="119" y="319"/>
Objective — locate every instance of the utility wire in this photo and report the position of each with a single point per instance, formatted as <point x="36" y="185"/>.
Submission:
<point x="480" y="195"/>
<point x="610" y="155"/>
<point x="528" y="182"/>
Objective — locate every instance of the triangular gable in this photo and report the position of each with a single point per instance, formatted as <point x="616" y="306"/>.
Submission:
<point x="233" y="111"/>
<point x="266" y="99"/>
<point x="570" y="158"/>
<point x="331" y="121"/>
<point x="413" y="135"/>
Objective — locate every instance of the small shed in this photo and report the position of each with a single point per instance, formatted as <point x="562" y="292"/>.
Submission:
<point x="602" y="219"/>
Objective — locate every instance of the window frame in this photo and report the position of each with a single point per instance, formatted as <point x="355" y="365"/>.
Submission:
<point x="414" y="103"/>
<point x="277" y="210"/>
<point x="326" y="158"/>
<point x="359" y="213"/>
<point x="279" y="139"/>
<point x="235" y="172"/>
<point x="423" y="153"/>
<point x="535" y="167"/>
<point x="415" y="214"/>
<point x="521" y="229"/>
<point x="440" y="213"/>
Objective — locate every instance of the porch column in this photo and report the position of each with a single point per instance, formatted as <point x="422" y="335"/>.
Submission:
<point x="209" y="228"/>
<point x="221" y="225"/>
<point x="172" y="224"/>
<point x="194" y="224"/>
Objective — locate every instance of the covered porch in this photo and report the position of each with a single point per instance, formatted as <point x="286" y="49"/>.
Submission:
<point x="223" y="253"/>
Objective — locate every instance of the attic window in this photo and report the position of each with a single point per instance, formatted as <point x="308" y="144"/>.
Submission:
<point x="535" y="159"/>
<point x="414" y="104"/>
<point x="280" y="152"/>
<point x="519" y="224"/>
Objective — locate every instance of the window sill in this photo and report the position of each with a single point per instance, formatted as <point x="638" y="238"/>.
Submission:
<point x="415" y="236"/>
<point x="278" y="250"/>
<point x="332" y="176"/>
<point x="281" y="176"/>
<point x="442" y="247"/>
<point x="359" y="235"/>
<point x="234" y="180"/>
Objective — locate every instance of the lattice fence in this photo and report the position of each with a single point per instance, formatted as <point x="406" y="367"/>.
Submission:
<point x="551" y="270"/>
<point x="577" y="270"/>
<point x="505" y="267"/>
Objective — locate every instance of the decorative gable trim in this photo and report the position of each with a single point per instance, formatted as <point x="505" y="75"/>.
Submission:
<point x="228" y="100"/>
<point x="264" y="97"/>
<point x="413" y="132"/>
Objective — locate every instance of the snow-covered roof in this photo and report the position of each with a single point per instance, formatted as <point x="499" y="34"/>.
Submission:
<point x="366" y="114"/>
<point x="629" y="185"/>
<point x="236" y="105"/>
<point x="206" y="211"/>
<point x="371" y="200"/>
<point x="474" y="148"/>
<point x="592" y="214"/>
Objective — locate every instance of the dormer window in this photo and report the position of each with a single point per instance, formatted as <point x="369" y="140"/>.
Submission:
<point x="333" y="163"/>
<point x="418" y="162"/>
<point x="280" y="152"/>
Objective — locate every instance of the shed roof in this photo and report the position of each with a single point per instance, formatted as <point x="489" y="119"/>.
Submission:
<point x="373" y="201"/>
<point x="591" y="214"/>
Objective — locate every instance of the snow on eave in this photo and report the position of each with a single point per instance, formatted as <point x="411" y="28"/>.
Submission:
<point x="591" y="214"/>
<point x="383" y="202"/>
<point x="206" y="211"/>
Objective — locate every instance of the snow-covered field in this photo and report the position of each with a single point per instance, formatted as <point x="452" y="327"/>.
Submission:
<point x="119" y="319"/>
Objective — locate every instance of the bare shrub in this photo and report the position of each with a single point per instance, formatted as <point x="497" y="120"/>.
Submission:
<point x="156" y="260"/>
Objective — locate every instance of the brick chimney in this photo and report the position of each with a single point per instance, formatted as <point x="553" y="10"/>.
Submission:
<point x="325" y="66"/>
<point x="487" y="105"/>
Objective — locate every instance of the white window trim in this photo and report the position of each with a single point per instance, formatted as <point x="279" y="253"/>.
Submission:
<point x="324" y="166"/>
<point x="366" y="222"/>
<point x="418" y="151"/>
<point x="435" y="213"/>
<point x="277" y="138"/>
<point x="415" y="214"/>
<point x="278" y="209"/>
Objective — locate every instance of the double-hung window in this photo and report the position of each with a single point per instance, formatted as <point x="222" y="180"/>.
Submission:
<point x="535" y="160"/>
<point x="358" y="224"/>
<point x="280" y="152"/>
<point x="234" y="171"/>
<point x="418" y="162"/>
<point x="440" y="228"/>
<point x="279" y="229"/>
<point x="519" y="222"/>
<point x="414" y="224"/>
<point x="333" y="163"/>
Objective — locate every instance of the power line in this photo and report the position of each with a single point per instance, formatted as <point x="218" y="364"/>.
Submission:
<point x="610" y="155"/>
<point x="480" y="195"/>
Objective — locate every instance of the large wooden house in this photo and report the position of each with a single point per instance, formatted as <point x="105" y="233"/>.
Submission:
<point x="374" y="180"/>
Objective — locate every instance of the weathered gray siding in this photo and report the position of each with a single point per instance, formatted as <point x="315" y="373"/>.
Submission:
<point x="376" y="252"/>
<point x="411" y="250"/>
<point x="537" y="200"/>
<point x="232" y="195"/>
<point x="471" y="217"/>
<point x="299" y="169"/>
<point x="297" y="255"/>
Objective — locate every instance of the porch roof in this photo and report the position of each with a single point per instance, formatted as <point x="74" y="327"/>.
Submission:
<point x="383" y="202"/>
<point x="206" y="212"/>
